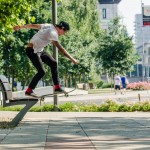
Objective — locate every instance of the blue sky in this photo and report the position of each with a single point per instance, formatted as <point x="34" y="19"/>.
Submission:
<point x="128" y="9"/>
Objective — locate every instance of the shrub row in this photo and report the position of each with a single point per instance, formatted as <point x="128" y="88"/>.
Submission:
<point x="108" y="106"/>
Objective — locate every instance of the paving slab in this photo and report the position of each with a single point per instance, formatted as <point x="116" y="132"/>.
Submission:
<point x="78" y="130"/>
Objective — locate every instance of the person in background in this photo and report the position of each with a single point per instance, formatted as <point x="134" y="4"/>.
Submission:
<point x="124" y="82"/>
<point x="47" y="34"/>
<point x="117" y="84"/>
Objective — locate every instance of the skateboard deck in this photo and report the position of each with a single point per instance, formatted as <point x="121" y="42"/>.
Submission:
<point x="42" y="97"/>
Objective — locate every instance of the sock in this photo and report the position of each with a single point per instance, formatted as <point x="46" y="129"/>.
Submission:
<point x="28" y="89"/>
<point x="56" y="86"/>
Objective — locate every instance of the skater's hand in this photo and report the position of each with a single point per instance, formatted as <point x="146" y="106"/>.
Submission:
<point x="75" y="61"/>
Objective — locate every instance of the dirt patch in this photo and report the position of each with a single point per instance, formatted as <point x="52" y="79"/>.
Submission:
<point x="5" y="123"/>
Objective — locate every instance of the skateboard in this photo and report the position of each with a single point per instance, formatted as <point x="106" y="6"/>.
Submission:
<point x="42" y="97"/>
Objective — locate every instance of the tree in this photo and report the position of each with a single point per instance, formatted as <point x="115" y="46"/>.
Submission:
<point x="116" y="54"/>
<point x="14" y="12"/>
<point x="81" y="42"/>
<point x="83" y="38"/>
<point x="16" y="64"/>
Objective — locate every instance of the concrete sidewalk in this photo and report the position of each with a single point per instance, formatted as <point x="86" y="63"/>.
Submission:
<point x="78" y="130"/>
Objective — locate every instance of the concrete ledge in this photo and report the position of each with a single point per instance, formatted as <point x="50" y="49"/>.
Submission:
<point x="39" y="91"/>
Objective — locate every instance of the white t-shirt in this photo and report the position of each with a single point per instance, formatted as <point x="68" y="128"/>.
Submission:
<point x="117" y="80"/>
<point x="43" y="37"/>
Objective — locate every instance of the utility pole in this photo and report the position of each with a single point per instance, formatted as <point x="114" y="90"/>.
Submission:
<point x="143" y="68"/>
<point x="55" y="50"/>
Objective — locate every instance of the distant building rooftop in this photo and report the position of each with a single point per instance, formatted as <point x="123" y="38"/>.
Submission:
<point x="109" y="1"/>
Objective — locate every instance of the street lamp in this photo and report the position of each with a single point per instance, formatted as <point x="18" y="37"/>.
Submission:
<point x="143" y="71"/>
<point x="55" y="50"/>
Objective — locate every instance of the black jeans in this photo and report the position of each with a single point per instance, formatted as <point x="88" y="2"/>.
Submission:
<point x="38" y="60"/>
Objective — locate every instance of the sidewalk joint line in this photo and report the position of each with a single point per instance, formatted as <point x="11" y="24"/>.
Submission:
<point x="85" y="133"/>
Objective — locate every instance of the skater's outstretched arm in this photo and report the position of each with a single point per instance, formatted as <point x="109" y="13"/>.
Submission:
<point x="28" y="26"/>
<point x="64" y="52"/>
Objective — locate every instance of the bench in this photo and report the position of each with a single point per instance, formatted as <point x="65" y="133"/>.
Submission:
<point x="7" y="99"/>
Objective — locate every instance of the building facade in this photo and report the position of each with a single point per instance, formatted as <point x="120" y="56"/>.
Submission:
<point x="142" y="33"/>
<point x="108" y="11"/>
<point x="142" y="44"/>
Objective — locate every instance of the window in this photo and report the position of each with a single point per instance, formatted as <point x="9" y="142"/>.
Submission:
<point x="104" y="13"/>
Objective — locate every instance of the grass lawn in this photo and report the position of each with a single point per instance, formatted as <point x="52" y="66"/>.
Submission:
<point x="105" y="90"/>
<point x="97" y="91"/>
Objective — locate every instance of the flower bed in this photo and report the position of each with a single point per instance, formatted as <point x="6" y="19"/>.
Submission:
<point x="139" y="86"/>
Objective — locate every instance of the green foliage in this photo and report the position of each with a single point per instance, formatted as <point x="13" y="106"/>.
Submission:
<point x="18" y="12"/>
<point x="48" y="108"/>
<point x="146" y="106"/>
<point x="100" y="84"/>
<point x="124" y="108"/>
<point x="116" y="54"/>
<point x="67" y="107"/>
<point x="85" y="41"/>
<point x="81" y="42"/>
<point x="89" y="108"/>
<point x="42" y="108"/>
<point x="94" y="76"/>
<point x="11" y="108"/>
<point x="107" y="85"/>
<point x="82" y="39"/>
<point x="36" y="109"/>
<point x="14" y="12"/>
<point x="15" y="64"/>
<point x="107" y="106"/>
<point x="137" y="107"/>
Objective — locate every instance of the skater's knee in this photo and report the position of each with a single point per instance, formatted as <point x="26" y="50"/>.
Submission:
<point x="42" y="73"/>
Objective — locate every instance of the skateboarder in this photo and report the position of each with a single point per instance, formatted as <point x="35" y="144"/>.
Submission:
<point x="47" y="34"/>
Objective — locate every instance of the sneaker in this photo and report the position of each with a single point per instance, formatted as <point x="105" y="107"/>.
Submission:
<point x="60" y="91"/>
<point x="30" y="94"/>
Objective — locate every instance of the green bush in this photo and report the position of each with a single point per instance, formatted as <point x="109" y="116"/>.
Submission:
<point x="99" y="84"/>
<point x="89" y="108"/>
<point x="107" y="85"/>
<point x="108" y="106"/>
<point x="48" y="108"/>
<point x="145" y="106"/>
<point x="36" y="109"/>
<point x="12" y="108"/>
<point x="137" y="107"/>
<point x="124" y="108"/>
<point x="67" y="107"/>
